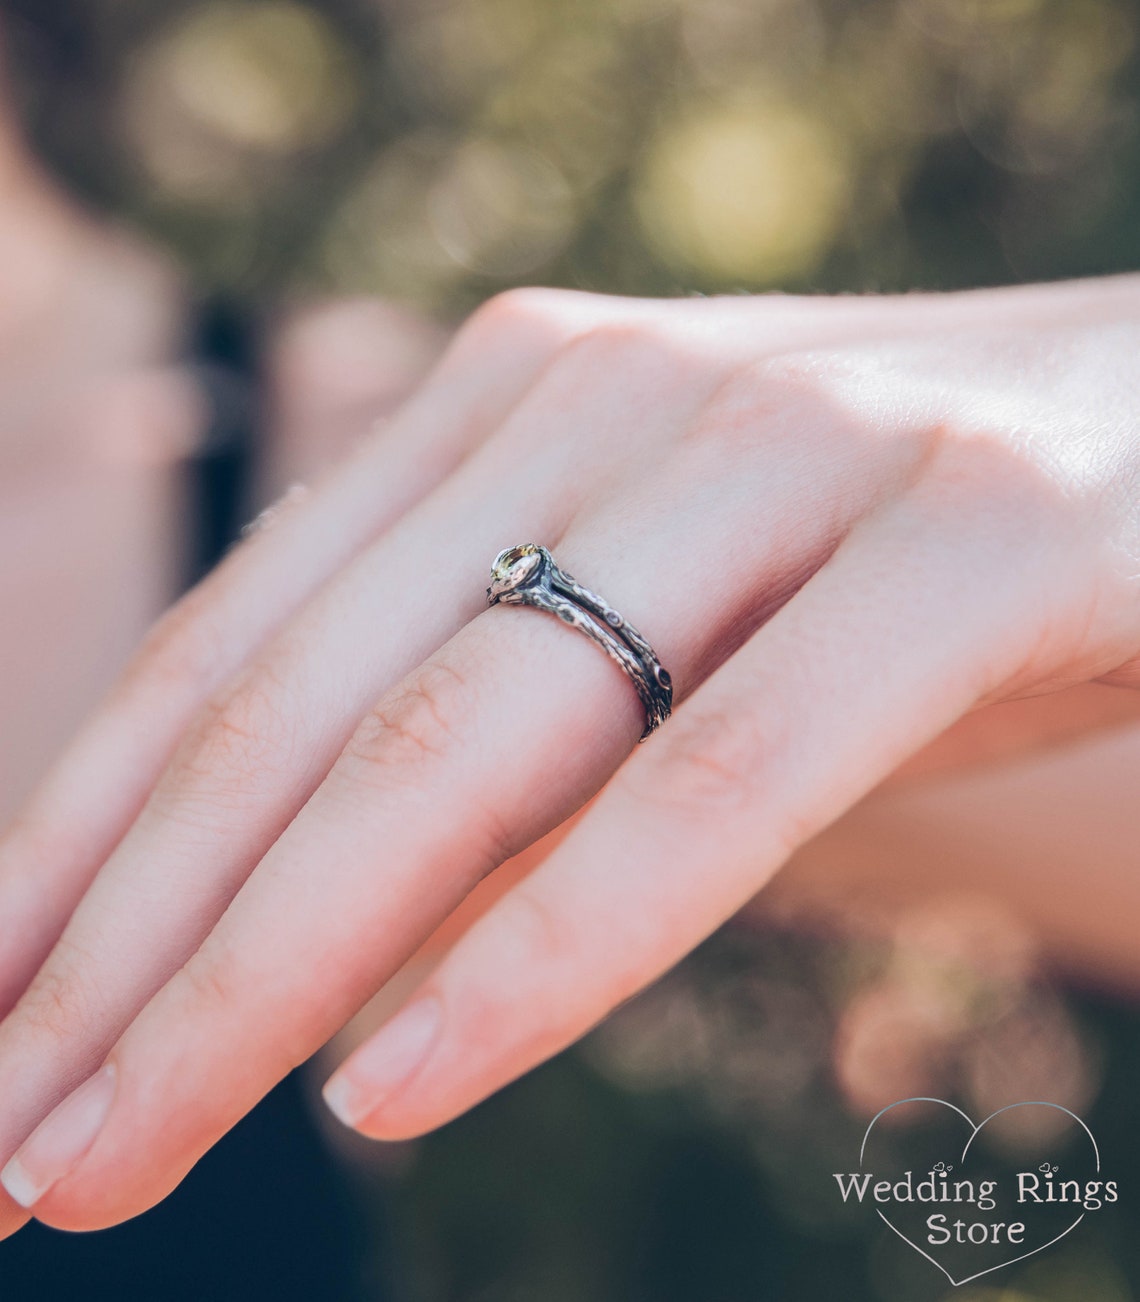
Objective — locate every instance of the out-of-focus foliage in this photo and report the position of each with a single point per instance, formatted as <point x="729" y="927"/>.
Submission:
<point x="438" y="150"/>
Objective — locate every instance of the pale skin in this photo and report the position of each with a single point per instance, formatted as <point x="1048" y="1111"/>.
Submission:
<point x="845" y="525"/>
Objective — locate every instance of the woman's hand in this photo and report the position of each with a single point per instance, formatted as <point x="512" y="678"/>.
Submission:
<point x="841" y="523"/>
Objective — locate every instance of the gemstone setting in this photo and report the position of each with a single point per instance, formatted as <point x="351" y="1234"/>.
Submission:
<point x="514" y="568"/>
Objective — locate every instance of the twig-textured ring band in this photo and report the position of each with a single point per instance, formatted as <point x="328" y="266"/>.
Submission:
<point x="528" y="576"/>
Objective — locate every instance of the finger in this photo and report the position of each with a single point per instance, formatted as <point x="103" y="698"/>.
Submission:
<point x="239" y="779"/>
<point x="490" y="743"/>
<point x="891" y="641"/>
<point x="432" y="951"/>
<point x="85" y="805"/>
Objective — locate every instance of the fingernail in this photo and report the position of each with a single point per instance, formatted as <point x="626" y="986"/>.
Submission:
<point x="381" y="1065"/>
<point x="60" y="1140"/>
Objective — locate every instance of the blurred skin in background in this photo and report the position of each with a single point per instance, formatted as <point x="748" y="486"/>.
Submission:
<point x="93" y="415"/>
<point x="98" y="413"/>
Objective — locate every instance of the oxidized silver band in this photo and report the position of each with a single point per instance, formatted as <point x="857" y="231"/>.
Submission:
<point x="528" y="576"/>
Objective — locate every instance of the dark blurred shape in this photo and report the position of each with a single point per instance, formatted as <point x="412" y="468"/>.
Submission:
<point x="264" y="1215"/>
<point x="221" y="475"/>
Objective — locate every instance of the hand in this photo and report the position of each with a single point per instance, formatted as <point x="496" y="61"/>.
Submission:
<point x="842" y="524"/>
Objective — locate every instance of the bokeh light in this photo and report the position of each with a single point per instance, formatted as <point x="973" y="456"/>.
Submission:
<point x="227" y="86"/>
<point x="444" y="150"/>
<point x="746" y="194"/>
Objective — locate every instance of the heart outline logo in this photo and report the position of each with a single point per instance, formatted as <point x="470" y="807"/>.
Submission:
<point x="975" y="1130"/>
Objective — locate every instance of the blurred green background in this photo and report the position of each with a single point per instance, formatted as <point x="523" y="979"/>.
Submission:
<point x="437" y="151"/>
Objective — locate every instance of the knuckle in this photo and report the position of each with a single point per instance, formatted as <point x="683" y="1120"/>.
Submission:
<point x="492" y="839"/>
<point x="418" y="723"/>
<point x="708" y="762"/>
<point x="182" y="649"/>
<point x="594" y="351"/>
<point x="726" y="768"/>
<point x="63" y="996"/>
<point x="786" y="392"/>
<point x="794" y="375"/>
<point x="531" y="930"/>
<point x="1021" y="531"/>
<point x="982" y="481"/>
<point x="237" y="740"/>
<point x="982" y="465"/>
<point x="516" y="312"/>
<point x="213" y="977"/>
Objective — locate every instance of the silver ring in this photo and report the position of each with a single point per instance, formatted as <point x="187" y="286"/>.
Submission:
<point x="527" y="576"/>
